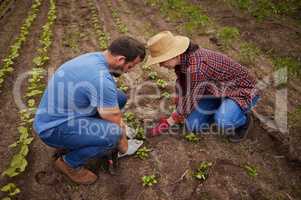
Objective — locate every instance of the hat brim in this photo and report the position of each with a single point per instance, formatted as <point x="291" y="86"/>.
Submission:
<point x="179" y="46"/>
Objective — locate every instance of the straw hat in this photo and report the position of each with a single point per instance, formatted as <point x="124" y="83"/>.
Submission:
<point x="165" y="46"/>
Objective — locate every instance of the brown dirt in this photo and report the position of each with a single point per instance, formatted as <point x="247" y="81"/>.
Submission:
<point x="172" y="158"/>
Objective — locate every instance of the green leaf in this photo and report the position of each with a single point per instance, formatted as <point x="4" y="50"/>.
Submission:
<point x="11" y="188"/>
<point x="31" y="102"/>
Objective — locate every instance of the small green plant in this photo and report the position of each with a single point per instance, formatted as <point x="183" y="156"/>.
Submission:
<point x="161" y="83"/>
<point x="153" y="75"/>
<point x="122" y="28"/>
<point x="202" y="172"/>
<point x="227" y="36"/>
<point x="11" y="189"/>
<point x="166" y="95"/>
<point x="143" y="153"/>
<point x="248" y="53"/>
<point x="149" y="180"/>
<point x="146" y="68"/>
<point x="251" y="170"/>
<point x="131" y="120"/>
<point x="123" y="87"/>
<point x="191" y="137"/>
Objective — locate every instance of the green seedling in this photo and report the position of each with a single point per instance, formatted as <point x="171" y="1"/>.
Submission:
<point x="149" y="180"/>
<point x="123" y="88"/>
<point x="140" y="133"/>
<point x="166" y="95"/>
<point x="11" y="189"/>
<point x="161" y="83"/>
<point x="251" y="170"/>
<point x="143" y="153"/>
<point x="202" y="172"/>
<point x="153" y="75"/>
<point x="292" y="65"/>
<point x="146" y="68"/>
<point x="191" y="137"/>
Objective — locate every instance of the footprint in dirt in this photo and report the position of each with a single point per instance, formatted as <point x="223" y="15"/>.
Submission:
<point x="48" y="177"/>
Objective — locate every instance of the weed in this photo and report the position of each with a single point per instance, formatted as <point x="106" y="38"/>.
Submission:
<point x="292" y="65"/>
<point x="123" y="87"/>
<point x="149" y="180"/>
<point x="248" y="53"/>
<point x="251" y="170"/>
<point x="227" y="35"/>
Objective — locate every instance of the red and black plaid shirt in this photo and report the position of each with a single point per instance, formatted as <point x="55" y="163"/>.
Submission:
<point x="205" y="72"/>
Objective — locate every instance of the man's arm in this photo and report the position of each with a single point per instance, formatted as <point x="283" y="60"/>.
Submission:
<point x="115" y="116"/>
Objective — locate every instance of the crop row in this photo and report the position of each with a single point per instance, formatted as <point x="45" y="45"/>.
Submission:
<point x="34" y="89"/>
<point x="102" y="37"/>
<point x="9" y="60"/>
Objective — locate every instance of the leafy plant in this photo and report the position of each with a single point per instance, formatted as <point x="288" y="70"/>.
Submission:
<point x="153" y="75"/>
<point x="227" y="35"/>
<point x="131" y="120"/>
<point x="166" y="95"/>
<point x="202" y="172"/>
<point x="146" y="68"/>
<point x="103" y="38"/>
<point x="149" y="180"/>
<point x="120" y="26"/>
<point x="123" y="88"/>
<point x="251" y="170"/>
<point x="191" y="137"/>
<point x="161" y="83"/>
<point x="11" y="189"/>
<point x="143" y="153"/>
<point x="8" y="61"/>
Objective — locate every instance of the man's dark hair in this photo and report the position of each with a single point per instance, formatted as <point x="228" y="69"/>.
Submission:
<point x="192" y="47"/>
<point x="127" y="47"/>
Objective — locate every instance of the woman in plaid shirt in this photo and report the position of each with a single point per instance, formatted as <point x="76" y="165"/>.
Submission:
<point x="210" y="87"/>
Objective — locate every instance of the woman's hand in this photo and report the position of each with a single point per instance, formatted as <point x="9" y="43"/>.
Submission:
<point x="165" y="123"/>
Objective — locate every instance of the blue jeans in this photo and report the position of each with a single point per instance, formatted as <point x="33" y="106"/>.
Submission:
<point x="225" y="113"/>
<point x="85" y="137"/>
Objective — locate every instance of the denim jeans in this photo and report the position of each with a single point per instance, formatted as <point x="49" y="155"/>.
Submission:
<point x="85" y="137"/>
<point x="225" y="113"/>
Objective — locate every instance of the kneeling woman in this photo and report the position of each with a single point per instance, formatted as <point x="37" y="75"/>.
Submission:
<point x="210" y="87"/>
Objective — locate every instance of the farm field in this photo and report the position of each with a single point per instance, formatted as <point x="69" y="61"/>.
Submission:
<point x="37" y="36"/>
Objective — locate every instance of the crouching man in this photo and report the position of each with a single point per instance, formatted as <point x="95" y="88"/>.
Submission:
<point x="80" y="109"/>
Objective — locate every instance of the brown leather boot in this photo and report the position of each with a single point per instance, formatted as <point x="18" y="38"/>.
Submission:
<point x="79" y="175"/>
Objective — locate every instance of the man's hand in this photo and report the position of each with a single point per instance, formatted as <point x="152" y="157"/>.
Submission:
<point x="115" y="116"/>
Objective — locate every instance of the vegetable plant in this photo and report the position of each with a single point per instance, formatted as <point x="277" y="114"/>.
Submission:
<point x="191" y="137"/>
<point x="149" y="180"/>
<point x="153" y="75"/>
<point x="143" y="153"/>
<point x="202" y="172"/>
<point x="8" y="61"/>
<point x="120" y="26"/>
<point x="161" y="83"/>
<point x="166" y="95"/>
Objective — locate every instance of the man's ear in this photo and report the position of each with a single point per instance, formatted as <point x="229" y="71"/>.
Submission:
<point x="120" y="59"/>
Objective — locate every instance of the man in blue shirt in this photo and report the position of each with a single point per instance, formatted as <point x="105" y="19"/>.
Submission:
<point x="80" y="109"/>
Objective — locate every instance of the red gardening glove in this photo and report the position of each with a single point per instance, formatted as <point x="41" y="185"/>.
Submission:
<point x="160" y="128"/>
<point x="179" y="119"/>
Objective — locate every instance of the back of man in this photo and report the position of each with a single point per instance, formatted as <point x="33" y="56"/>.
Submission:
<point x="75" y="90"/>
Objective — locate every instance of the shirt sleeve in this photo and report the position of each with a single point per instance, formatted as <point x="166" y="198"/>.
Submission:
<point x="104" y="96"/>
